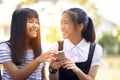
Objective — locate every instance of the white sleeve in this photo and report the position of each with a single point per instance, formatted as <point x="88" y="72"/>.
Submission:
<point x="98" y="52"/>
<point x="5" y="53"/>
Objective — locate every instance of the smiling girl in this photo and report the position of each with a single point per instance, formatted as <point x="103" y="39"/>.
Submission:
<point x="22" y="56"/>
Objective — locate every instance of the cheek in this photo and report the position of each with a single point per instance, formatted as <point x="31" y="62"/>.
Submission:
<point x="28" y="33"/>
<point x="70" y="29"/>
<point x="71" y="32"/>
<point x="28" y="30"/>
<point x="28" y="27"/>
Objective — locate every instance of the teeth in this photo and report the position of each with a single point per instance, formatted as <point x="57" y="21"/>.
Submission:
<point x="33" y="31"/>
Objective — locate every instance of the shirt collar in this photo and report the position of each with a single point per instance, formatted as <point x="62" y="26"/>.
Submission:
<point x="81" y="43"/>
<point x="69" y="45"/>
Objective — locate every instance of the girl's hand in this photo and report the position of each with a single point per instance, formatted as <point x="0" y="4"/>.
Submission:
<point x="68" y="64"/>
<point x="56" y="64"/>
<point x="47" y="56"/>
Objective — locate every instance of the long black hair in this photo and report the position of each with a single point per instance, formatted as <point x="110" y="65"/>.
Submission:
<point x="79" y="16"/>
<point x="18" y="36"/>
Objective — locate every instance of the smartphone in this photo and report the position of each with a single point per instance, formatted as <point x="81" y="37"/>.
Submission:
<point x="61" y="55"/>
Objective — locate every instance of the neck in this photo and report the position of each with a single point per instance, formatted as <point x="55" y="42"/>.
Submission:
<point x="75" y="41"/>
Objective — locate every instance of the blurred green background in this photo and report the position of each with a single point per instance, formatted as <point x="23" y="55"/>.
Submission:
<point x="106" y="20"/>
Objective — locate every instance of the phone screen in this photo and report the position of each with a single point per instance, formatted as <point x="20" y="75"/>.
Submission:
<point x="61" y="55"/>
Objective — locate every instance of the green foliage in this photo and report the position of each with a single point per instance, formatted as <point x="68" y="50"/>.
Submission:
<point x="82" y="1"/>
<point x="118" y="39"/>
<point x="23" y="2"/>
<point x="109" y="43"/>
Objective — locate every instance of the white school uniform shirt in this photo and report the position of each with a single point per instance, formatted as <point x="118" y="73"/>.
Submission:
<point x="5" y="55"/>
<point x="79" y="52"/>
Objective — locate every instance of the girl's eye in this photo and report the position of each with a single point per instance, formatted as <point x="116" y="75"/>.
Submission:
<point x="37" y="22"/>
<point x="30" y="21"/>
<point x="65" y="22"/>
<point x="33" y="21"/>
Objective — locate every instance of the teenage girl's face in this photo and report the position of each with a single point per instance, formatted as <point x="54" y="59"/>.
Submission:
<point x="32" y="27"/>
<point x="68" y="28"/>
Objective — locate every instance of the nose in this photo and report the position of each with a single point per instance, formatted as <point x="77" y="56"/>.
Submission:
<point x="36" y="25"/>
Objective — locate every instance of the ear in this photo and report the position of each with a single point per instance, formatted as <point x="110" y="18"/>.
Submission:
<point x="80" y="26"/>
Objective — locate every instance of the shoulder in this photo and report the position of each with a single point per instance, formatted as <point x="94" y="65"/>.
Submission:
<point x="4" y="46"/>
<point x="98" y="47"/>
<point x="98" y="53"/>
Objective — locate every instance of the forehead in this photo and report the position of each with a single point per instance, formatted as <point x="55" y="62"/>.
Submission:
<point x="65" y="16"/>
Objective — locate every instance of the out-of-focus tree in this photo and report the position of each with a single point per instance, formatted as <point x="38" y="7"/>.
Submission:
<point x="27" y="2"/>
<point x="53" y="35"/>
<point x="23" y="2"/>
<point x="53" y="1"/>
<point x="82" y="1"/>
<point x="108" y="42"/>
<point x="118" y="39"/>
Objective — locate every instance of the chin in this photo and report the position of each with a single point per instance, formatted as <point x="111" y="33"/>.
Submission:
<point x="64" y="37"/>
<point x="33" y="36"/>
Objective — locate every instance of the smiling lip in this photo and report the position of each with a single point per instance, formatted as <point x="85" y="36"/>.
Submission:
<point x="63" y="32"/>
<point x="34" y="31"/>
